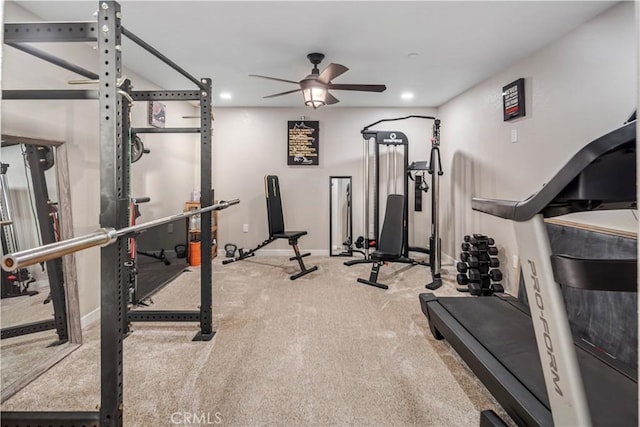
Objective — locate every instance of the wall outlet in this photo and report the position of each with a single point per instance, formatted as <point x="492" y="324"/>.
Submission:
<point x="170" y="228"/>
<point x="516" y="261"/>
<point x="514" y="135"/>
<point x="245" y="228"/>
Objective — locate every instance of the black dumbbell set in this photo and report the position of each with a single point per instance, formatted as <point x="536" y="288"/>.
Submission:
<point x="478" y="271"/>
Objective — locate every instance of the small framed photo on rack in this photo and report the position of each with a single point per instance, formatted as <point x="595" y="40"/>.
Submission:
<point x="157" y="114"/>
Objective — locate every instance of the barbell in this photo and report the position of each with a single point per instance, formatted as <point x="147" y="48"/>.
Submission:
<point x="102" y="237"/>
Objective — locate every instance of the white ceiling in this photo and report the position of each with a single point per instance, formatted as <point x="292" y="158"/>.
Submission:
<point x="458" y="43"/>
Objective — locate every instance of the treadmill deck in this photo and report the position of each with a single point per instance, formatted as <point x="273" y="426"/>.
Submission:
<point x="503" y="332"/>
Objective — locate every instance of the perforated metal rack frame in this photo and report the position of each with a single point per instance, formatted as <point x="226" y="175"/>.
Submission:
<point x="113" y="95"/>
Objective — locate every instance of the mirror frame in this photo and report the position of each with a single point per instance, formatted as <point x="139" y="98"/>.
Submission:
<point x="348" y="252"/>
<point x="68" y="262"/>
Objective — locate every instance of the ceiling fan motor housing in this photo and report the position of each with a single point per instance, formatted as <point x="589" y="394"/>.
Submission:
<point x="315" y="58"/>
<point x="315" y="86"/>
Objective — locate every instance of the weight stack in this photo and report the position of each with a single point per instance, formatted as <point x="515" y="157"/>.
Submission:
<point x="478" y="271"/>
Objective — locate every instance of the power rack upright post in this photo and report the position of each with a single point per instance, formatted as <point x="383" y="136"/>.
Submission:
<point x="115" y="97"/>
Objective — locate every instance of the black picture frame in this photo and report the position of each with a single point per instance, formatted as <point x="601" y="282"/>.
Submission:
<point x="513" y="100"/>
<point x="303" y="143"/>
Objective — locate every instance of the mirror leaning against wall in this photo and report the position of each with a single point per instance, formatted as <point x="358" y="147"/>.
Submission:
<point x="340" y="216"/>
<point x="39" y="309"/>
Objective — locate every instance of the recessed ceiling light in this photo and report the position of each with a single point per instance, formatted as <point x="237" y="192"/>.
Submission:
<point x="413" y="55"/>
<point x="225" y="95"/>
<point x="407" y="95"/>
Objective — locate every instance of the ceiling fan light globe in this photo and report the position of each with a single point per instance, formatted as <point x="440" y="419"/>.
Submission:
<point x="315" y="97"/>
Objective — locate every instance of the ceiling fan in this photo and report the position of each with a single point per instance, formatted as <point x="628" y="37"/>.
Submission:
<point x="315" y="86"/>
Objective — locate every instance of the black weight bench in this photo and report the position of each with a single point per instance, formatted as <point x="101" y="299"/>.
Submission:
<point x="276" y="229"/>
<point x="390" y="243"/>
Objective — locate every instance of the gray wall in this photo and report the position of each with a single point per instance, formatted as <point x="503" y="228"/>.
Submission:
<point x="577" y="88"/>
<point x="250" y="143"/>
<point x="167" y="175"/>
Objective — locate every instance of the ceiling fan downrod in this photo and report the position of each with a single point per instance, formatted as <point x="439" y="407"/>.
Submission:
<point x="316" y="59"/>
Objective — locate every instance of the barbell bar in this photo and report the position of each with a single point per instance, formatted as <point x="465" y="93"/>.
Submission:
<point x="102" y="237"/>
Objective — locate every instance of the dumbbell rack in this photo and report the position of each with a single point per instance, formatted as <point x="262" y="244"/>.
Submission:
<point x="478" y="271"/>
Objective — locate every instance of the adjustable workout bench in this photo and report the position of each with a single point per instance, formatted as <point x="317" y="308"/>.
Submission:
<point x="276" y="228"/>
<point x="390" y="244"/>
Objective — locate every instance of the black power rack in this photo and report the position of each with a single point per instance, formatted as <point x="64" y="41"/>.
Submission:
<point x="115" y="97"/>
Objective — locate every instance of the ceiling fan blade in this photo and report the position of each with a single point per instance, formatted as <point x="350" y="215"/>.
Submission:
<point x="363" y="88"/>
<point x="273" y="78"/>
<point x="283" y="93"/>
<point x="331" y="72"/>
<point x="330" y="99"/>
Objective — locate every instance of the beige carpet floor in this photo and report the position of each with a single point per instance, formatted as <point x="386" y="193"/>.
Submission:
<point x="318" y="351"/>
<point x="21" y="354"/>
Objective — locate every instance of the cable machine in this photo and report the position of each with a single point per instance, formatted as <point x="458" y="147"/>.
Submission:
<point x="395" y="142"/>
<point x="17" y="283"/>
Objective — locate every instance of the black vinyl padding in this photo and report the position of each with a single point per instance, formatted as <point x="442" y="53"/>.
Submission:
<point x="274" y="210"/>
<point x="507" y="333"/>
<point x="274" y="205"/>
<point x="596" y="274"/>
<point x="599" y="176"/>
<point x="289" y="235"/>
<point x="390" y="243"/>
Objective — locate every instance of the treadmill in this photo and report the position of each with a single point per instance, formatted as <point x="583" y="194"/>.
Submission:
<point x="526" y="356"/>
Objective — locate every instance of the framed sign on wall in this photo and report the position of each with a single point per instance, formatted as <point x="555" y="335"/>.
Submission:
<point x="513" y="100"/>
<point x="303" y="143"/>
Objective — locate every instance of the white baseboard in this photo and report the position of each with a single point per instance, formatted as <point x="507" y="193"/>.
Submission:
<point x="282" y="252"/>
<point x="90" y="318"/>
<point x="446" y="259"/>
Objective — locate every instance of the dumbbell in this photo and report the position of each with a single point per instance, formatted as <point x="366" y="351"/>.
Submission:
<point x="465" y="247"/>
<point x="493" y="251"/>
<point x="467" y="238"/>
<point x="496" y="275"/>
<point x="473" y="262"/>
<point x="475" y="289"/>
<point x="483" y="256"/>
<point x="477" y="241"/>
<point x="478" y="238"/>
<point x="464" y="256"/>
<point x="490" y="241"/>
<point x="494" y="263"/>
<point x="461" y="267"/>
<point x="474" y="252"/>
<point x="496" y="288"/>
<point x="462" y="279"/>
<point x="474" y="275"/>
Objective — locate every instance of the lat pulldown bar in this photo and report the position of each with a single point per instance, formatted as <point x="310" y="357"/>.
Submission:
<point x="102" y="237"/>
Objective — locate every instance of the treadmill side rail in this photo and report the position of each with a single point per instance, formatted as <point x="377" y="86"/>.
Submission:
<point x="553" y="335"/>
<point x="516" y="399"/>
